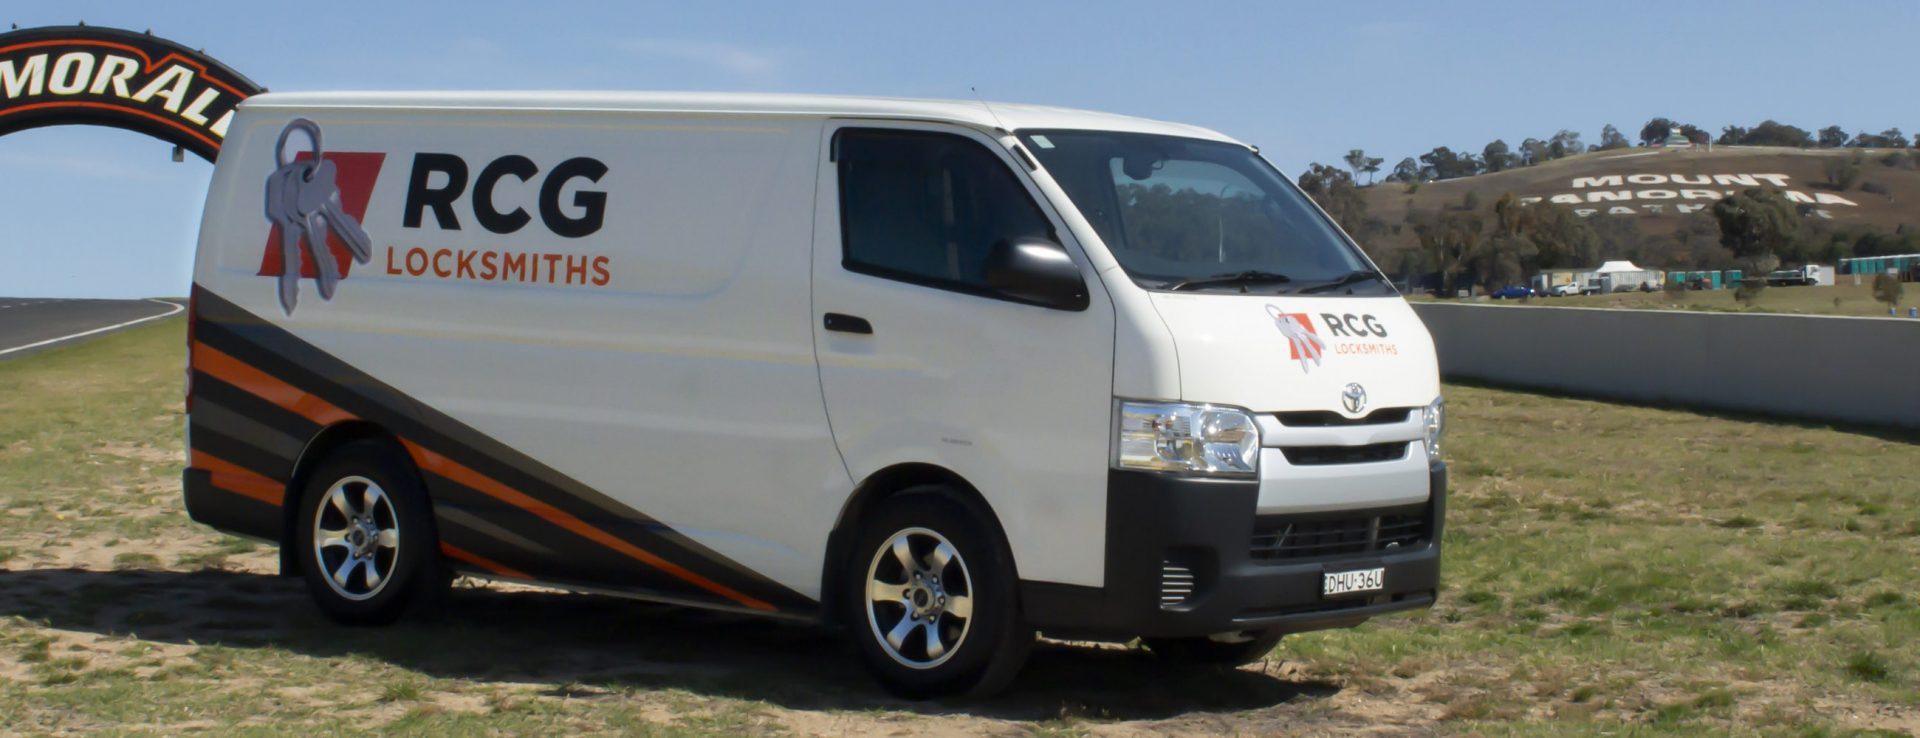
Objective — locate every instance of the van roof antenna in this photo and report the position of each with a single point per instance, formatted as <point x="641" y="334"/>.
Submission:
<point x="997" y="125"/>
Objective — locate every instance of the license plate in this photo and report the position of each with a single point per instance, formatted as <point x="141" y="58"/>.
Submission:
<point x="1358" y="580"/>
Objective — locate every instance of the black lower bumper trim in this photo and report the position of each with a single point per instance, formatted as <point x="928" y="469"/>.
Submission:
<point x="1178" y="563"/>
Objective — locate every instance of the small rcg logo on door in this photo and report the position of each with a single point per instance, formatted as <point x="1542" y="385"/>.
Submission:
<point x="1354" y="398"/>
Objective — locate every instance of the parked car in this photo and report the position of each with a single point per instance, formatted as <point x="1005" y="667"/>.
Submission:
<point x="1512" y="292"/>
<point x="1563" y="290"/>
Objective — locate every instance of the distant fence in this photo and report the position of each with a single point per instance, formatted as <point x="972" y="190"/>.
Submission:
<point x="1856" y="370"/>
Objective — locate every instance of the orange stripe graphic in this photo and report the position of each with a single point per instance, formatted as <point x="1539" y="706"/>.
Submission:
<point x="232" y="478"/>
<point x="481" y="561"/>
<point x="265" y="386"/>
<point x="453" y="470"/>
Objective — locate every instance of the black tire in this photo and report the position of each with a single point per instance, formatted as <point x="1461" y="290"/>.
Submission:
<point x="1205" y="651"/>
<point x="412" y="576"/>
<point x="981" y="653"/>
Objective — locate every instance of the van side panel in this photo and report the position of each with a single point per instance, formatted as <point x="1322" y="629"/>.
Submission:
<point x="590" y="330"/>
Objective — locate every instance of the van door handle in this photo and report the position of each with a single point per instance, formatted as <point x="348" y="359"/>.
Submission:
<point x="844" y="323"/>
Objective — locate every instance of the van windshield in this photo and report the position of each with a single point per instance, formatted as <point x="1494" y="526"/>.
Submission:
<point x="1188" y="214"/>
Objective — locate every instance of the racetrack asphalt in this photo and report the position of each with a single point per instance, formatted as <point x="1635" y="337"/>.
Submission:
<point x="30" y="325"/>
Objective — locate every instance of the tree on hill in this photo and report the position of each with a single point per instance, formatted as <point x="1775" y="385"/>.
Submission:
<point x="1443" y="163"/>
<point x="1534" y="151"/>
<point x="1372" y="167"/>
<point x="1655" y="131"/>
<point x="1564" y="143"/>
<point x="1833" y="137"/>
<point x="1407" y="171"/>
<point x="1356" y="160"/>
<point x="1334" y="189"/>
<point x="1756" y="225"/>
<point x="1844" y="173"/>
<point x="1496" y="156"/>
<point x="1611" y="138"/>
<point x="1891" y="138"/>
<point x="1774" y="133"/>
<point x="1695" y="134"/>
<point x="1768" y="133"/>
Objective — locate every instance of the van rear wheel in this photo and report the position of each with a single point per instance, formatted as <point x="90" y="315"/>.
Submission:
<point x="365" y="536"/>
<point x="1222" y="650"/>
<point x="930" y="597"/>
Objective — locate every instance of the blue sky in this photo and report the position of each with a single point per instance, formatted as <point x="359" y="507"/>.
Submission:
<point x="103" y="213"/>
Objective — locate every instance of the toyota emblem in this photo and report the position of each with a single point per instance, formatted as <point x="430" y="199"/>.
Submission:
<point x="1354" y="397"/>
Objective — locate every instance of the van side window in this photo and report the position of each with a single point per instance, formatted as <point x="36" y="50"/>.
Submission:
<point x="927" y="207"/>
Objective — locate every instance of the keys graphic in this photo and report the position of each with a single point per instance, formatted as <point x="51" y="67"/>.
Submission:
<point x="303" y="199"/>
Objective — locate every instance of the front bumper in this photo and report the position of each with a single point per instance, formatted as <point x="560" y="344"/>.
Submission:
<point x="1162" y="527"/>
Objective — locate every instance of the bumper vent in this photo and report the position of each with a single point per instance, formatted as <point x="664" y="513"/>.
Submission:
<point x="1176" y="585"/>
<point x="1327" y="418"/>
<point x="1327" y="455"/>
<point x="1287" y="539"/>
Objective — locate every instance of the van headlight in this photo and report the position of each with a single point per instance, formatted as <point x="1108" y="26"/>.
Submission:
<point x="1434" y="416"/>
<point x="1180" y="437"/>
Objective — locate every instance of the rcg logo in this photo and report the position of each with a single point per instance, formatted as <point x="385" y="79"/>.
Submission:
<point x="316" y="201"/>
<point x="438" y="181"/>
<point x="1303" y="342"/>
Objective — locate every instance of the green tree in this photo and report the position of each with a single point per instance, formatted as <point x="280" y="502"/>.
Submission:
<point x="1844" y="172"/>
<point x="1372" y="167"/>
<point x="1357" y="161"/>
<point x="1611" y="138"/>
<point x="1887" y="289"/>
<point x="1775" y="133"/>
<point x="1656" y="130"/>
<point x="1565" y="143"/>
<point x="1756" y="225"/>
<point x="1449" y="241"/>
<point x="1534" y="151"/>
<point x="1443" y="163"/>
<point x="1407" y="171"/>
<point x="1496" y="156"/>
<point x="1833" y="137"/>
<point x="1561" y="237"/>
<point x="1335" y="191"/>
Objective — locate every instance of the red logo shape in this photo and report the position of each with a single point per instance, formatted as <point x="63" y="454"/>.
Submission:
<point x="356" y="173"/>
<point x="1301" y="319"/>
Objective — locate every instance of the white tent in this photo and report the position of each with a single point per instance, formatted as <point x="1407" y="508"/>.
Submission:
<point x="1620" y="276"/>
<point x="1618" y="266"/>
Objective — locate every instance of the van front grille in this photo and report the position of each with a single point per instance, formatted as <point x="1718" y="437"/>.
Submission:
<point x="1324" y="455"/>
<point x="1279" y="538"/>
<point x="1176" y="584"/>
<point x="1327" y="418"/>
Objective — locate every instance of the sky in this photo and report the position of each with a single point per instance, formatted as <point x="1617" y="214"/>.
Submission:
<point x="101" y="212"/>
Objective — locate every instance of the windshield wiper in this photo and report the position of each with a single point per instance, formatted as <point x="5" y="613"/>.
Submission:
<point x="1240" y="278"/>
<point x="1353" y="277"/>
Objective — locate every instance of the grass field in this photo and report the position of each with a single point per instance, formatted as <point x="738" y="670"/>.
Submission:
<point x="1610" y="570"/>
<point x="1841" y="299"/>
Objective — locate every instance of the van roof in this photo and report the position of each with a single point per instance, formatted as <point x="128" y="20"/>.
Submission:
<point x="963" y="112"/>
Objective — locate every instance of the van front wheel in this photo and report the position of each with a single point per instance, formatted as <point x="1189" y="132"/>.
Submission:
<point x="930" y="597"/>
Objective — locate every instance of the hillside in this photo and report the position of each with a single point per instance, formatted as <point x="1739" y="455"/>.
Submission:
<point x="1660" y="190"/>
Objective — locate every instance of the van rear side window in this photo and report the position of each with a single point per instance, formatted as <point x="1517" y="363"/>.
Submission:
<point x="927" y="207"/>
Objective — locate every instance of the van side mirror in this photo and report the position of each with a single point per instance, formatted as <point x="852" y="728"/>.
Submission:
<point x="1036" y="271"/>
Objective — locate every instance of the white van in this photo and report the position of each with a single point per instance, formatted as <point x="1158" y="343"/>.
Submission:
<point x="939" y="373"/>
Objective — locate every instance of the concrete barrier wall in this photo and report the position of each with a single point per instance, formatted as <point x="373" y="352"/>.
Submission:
<point x="1857" y="370"/>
